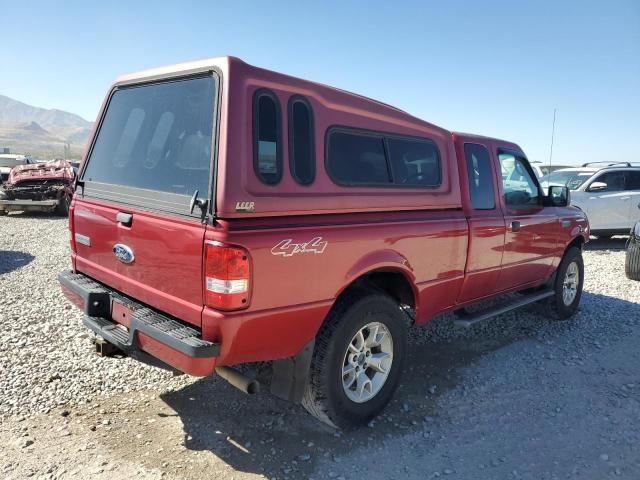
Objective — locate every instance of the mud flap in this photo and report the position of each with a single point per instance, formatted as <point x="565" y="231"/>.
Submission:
<point x="289" y="376"/>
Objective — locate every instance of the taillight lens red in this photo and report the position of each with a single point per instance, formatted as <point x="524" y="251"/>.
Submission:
<point x="227" y="275"/>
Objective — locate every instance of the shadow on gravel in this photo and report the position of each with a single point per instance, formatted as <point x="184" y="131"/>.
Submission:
<point x="271" y="437"/>
<point x="615" y="243"/>
<point x="267" y="436"/>
<point x="11" y="260"/>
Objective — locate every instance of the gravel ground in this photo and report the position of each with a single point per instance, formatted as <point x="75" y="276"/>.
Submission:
<point x="517" y="397"/>
<point x="44" y="360"/>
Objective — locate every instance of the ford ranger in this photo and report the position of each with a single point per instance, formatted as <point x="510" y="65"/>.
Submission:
<point x="226" y="214"/>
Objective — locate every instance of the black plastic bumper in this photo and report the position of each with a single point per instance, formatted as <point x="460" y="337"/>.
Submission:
<point x="97" y="300"/>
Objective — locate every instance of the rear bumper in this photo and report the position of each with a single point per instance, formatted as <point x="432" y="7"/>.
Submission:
<point x="177" y="344"/>
<point x="28" y="205"/>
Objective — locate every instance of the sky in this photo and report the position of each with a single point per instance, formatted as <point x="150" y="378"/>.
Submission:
<point x="496" y="68"/>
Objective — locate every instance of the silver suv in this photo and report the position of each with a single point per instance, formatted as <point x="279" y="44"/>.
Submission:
<point x="609" y="195"/>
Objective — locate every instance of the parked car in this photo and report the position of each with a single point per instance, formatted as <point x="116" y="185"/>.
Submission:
<point x="44" y="187"/>
<point x="609" y="195"/>
<point x="541" y="169"/>
<point x="10" y="160"/>
<point x="632" y="258"/>
<point x="227" y="214"/>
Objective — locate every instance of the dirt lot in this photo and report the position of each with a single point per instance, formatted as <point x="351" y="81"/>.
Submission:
<point x="519" y="397"/>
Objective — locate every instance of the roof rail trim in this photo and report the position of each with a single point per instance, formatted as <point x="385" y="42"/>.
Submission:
<point x="608" y="164"/>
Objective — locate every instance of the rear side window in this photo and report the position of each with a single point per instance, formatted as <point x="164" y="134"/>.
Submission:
<point x="414" y="162"/>
<point x="357" y="159"/>
<point x="267" y="144"/>
<point x="633" y="180"/>
<point x="302" y="161"/>
<point x="156" y="137"/>
<point x="376" y="159"/>
<point x="481" y="191"/>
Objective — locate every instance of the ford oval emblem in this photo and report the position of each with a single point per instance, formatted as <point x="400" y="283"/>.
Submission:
<point x="123" y="253"/>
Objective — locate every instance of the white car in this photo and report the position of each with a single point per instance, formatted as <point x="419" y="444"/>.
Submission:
<point x="610" y="196"/>
<point x="10" y="160"/>
<point x="541" y="169"/>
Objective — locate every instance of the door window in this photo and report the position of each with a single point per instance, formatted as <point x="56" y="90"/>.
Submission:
<point x="520" y="189"/>
<point x="614" y="181"/>
<point x="480" y="177"/>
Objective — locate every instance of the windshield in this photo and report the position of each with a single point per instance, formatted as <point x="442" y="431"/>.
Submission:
<point x="156" y="137"/>
<point x="566" y="178"/>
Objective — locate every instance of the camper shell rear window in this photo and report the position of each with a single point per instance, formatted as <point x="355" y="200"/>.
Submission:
<point x="155" y="144"/>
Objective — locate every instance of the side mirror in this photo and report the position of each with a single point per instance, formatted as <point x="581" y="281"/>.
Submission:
<point x="596" y="186"/>
<point x="559" y="196"/>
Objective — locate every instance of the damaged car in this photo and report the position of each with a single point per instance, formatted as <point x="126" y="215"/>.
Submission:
<point x="10" y="160"/>
<point x="42" y="187"/>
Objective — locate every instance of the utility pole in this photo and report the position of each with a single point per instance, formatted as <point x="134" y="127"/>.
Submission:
<point x="553" y="131"/>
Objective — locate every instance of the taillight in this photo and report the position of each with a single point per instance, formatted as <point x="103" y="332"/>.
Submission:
<point x="227" y="274"/>
<point x="72" y="240"/>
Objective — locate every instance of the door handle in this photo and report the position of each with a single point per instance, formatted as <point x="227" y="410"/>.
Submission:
<point x="625" y="198"/>
<point x="124" y="219"/>
<point x="515" y="226"/>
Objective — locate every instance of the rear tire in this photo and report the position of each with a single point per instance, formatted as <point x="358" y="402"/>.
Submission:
<point x="357" y="361"/>
<point x="63" y="205"/>
<point x="632" y="259"/>
<point x="567" y="285"/>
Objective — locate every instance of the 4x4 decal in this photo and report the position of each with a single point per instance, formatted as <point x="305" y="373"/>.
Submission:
<point x="287" y="249"/>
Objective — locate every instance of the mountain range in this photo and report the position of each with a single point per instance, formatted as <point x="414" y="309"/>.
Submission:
<point x="43" y="133"/>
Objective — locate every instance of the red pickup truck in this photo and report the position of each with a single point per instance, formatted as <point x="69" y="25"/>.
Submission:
<point x="226" y="214"/>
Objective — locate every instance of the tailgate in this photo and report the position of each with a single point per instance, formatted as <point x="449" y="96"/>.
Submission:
<point x="149" y="164"/>
<point x="165" y="271"/>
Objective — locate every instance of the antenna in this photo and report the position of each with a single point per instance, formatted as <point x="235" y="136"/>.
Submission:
<point x="553" y="131"/>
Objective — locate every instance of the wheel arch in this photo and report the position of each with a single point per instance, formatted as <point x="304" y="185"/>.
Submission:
<point x="386" y="271"/>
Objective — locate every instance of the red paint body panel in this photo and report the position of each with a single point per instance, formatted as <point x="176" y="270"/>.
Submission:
<point x="307" y="244"/>
<point x="292" y="295"/>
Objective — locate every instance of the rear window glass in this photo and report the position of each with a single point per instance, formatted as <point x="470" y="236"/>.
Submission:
<point x="157" y="137"/>
<point x="357" y="159"/>
<point x="414" y="162"/>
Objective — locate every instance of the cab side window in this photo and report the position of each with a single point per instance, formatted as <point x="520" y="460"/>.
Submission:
<point x="520" y="189"/>
<point x="481" y="192"/>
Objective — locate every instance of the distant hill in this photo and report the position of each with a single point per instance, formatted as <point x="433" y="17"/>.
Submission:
<point x="41" y="132"/>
